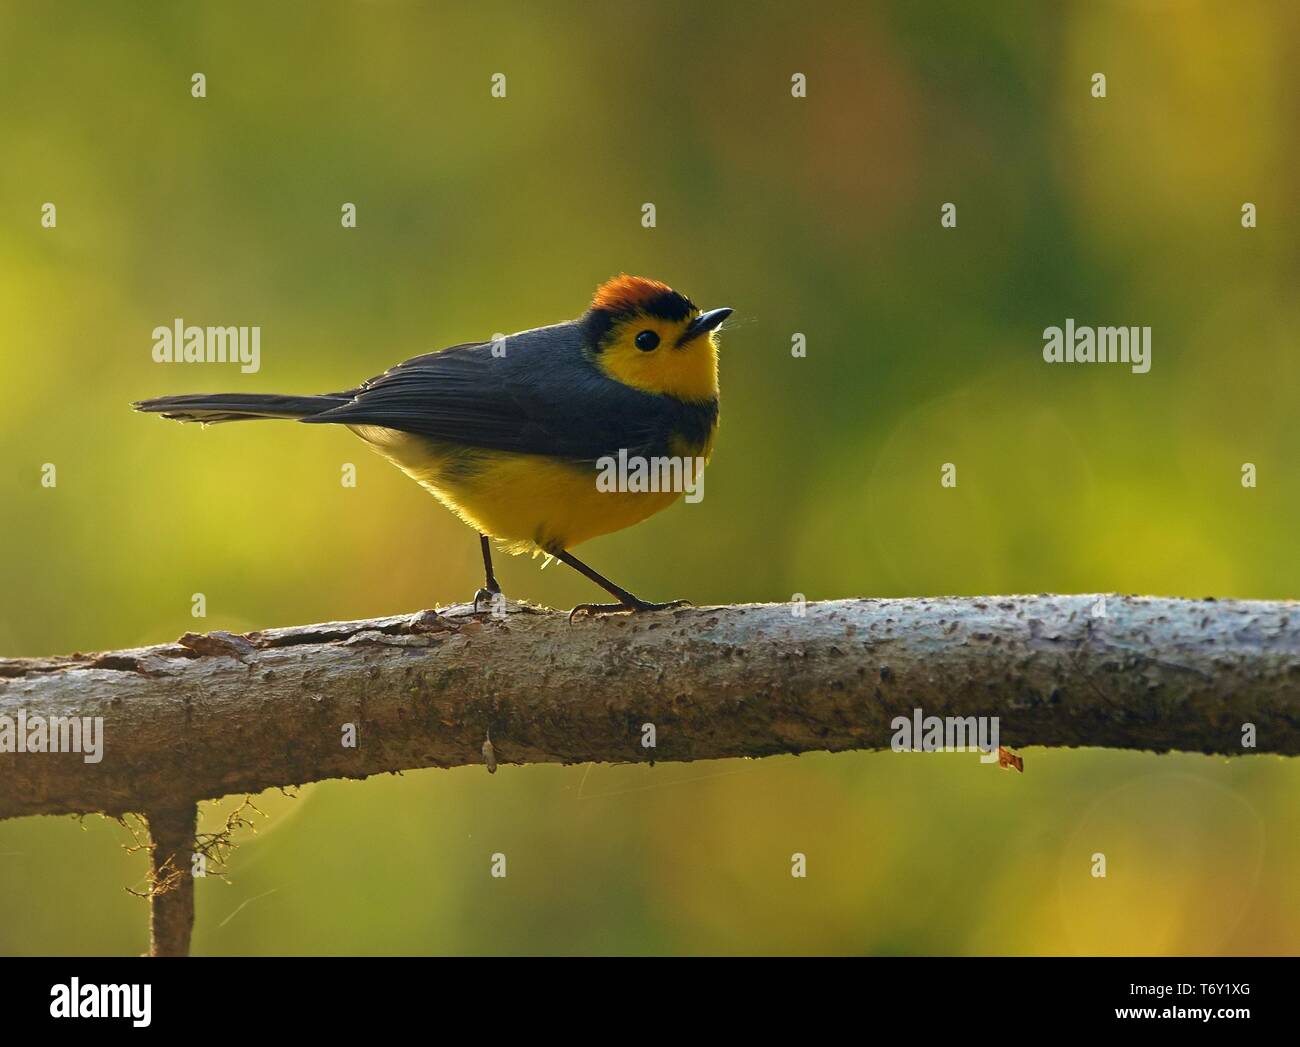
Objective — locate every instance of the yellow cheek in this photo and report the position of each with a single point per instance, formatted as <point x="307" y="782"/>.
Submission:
<point x="690" y="373"/>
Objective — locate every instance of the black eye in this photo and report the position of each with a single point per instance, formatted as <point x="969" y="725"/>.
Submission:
<point x="647" y="340"/>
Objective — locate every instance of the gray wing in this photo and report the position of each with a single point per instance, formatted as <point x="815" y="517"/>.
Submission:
<point x="543" y="396"/>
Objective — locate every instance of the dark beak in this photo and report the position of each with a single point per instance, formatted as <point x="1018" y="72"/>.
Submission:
<point x="703" y="324"/>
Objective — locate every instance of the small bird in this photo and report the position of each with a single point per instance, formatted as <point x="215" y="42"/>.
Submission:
<point x="512" y="434"/>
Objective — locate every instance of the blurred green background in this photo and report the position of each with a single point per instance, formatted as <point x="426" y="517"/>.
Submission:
<point x="816" y="215"/>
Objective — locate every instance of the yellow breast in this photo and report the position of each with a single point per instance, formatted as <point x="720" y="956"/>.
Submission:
<point x="527" y="502"/>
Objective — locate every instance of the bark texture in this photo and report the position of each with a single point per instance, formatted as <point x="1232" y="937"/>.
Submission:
<point x="171" y="888"/>
<point x="222" y="713"/>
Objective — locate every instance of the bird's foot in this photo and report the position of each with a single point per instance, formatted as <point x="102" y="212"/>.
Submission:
<point x="490" y="601"/>
<point x="593" y="610"/>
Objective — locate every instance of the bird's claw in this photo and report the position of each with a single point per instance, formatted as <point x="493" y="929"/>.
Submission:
<point x="485" y="600"/>
<point x="592" y="610"/>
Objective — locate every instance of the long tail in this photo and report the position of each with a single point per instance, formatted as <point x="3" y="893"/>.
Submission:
<point x="237" y="407"/>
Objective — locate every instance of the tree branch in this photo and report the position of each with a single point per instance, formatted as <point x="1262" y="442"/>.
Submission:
<point x="171" y="885"/>
<point x="221" y="713"/>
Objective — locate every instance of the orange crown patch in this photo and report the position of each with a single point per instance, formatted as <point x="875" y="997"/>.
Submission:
<point x="625" y="294"/>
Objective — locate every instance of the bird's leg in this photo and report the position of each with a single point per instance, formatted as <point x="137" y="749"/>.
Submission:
<point x="626" y="601"/>
<point x="490" y="587"/>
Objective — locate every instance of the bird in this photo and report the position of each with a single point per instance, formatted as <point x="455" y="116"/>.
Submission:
<point x="513" y="434"/>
